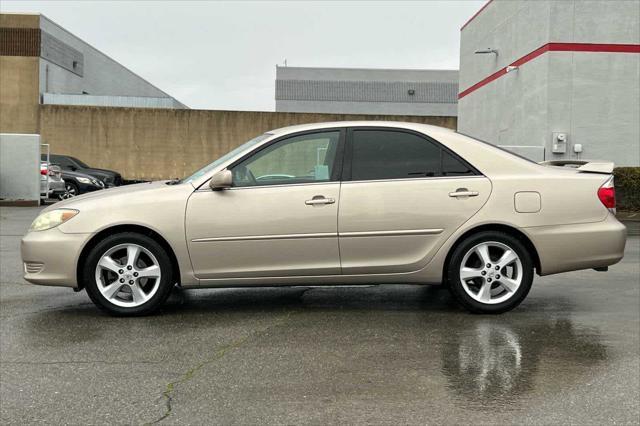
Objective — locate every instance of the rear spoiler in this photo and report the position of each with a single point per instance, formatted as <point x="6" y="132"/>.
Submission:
<point x="586" y="166"/>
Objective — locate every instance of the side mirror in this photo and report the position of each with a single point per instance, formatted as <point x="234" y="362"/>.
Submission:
<point x="221" y="180"/>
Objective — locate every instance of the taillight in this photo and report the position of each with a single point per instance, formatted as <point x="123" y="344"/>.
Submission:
<point x="43" y="172"/>
<point x="607" y="195"/>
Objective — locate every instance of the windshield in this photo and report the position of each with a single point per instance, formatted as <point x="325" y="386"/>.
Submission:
<point x="80" y="163"/>
<point x="206" y="169"/>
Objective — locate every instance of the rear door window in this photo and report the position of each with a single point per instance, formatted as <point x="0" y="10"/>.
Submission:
<point x="388" y="154"/>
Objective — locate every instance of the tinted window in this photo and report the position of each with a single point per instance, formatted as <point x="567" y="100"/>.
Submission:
<point x="79" y="163"/>
<point x="61" y="161"/>
<point x="382" y="154"/>
<point x="451" y="166"/>
<point x="299" y="159"/>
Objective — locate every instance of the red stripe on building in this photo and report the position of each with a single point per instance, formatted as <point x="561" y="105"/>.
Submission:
<point x="476" y="14"/>
<point x="554" y="47"/>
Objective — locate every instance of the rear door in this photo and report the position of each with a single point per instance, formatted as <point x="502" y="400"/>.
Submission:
<point x="402" y="196"/>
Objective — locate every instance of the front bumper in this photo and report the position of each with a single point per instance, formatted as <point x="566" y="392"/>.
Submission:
<point x="89" y="187"/>
<point x="50" y="257"/>
<point x="564" y="248"/>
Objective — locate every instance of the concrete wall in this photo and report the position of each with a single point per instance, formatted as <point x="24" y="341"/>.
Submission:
<point x="19" y="94"/>
<point x="367" y="91"/>
<point x="20" y="167"/>
<point x="593" y="97"/>
<point x="145" y="143"/>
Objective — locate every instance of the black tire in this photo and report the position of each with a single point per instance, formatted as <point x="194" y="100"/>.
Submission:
<point x="453" y="273"/>
<point x="164" y="262"/>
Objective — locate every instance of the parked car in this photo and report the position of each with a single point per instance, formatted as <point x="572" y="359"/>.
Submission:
<point x="343" y="203"/>
<point x="76" y="183"/>
<point x="68" y="163"/>
<point x="51" y="182"/>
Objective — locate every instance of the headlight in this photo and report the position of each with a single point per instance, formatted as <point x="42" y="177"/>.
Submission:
<point x="90" y="181"/>
<point x="52" y="219"/>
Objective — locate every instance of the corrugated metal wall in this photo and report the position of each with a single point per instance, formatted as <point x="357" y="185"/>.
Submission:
<point x="367" y="91"/>
<point x="110" y="101"/>
<point x="19" y="41"/>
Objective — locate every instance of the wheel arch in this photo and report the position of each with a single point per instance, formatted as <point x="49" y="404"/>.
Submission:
<point x="139" y="229"/>
<point x="507" y="229"/>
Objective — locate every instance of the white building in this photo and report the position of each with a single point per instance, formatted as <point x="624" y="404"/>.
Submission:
<point x="554" y="79"/>
<point x="367" y="91"/>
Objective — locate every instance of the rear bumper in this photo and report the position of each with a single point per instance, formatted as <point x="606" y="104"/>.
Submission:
<point x="50" y="257"/>
<point x="55" y="187"/>
<point x="566" y="248"/>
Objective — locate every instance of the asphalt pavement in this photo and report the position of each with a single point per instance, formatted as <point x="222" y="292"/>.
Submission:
<point x="393" y="354"/>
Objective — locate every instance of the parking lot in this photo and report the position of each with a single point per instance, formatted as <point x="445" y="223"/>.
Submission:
<point x="379" y="354"/>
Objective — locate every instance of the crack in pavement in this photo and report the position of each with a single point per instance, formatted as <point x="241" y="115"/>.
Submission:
<point x="219" y="354"/>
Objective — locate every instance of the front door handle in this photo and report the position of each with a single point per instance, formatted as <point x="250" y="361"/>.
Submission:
<point x="463" y="192"/>
<point x="318" y="200"/>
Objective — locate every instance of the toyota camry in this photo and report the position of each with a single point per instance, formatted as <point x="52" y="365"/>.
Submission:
<point x="335" y="204"/>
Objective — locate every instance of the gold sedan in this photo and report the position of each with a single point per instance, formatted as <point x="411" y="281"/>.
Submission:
<point x="331" y="204"/>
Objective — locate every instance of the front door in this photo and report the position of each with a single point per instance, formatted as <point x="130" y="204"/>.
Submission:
<point x="402" y="197"/>
<point x="278" y="219"/>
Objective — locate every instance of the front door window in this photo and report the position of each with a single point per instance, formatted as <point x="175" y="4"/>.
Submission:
<point x="307" y="158"/>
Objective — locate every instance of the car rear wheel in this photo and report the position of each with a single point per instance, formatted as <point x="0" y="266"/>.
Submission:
<point x="128" y="274"/>
<point x="490" y="272"/>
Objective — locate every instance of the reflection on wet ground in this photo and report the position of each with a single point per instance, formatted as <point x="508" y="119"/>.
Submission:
<point x="355" y="355"/>
<point x="495" y="364"/>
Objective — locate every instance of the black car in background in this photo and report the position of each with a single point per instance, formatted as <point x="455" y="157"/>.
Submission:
<point x="68" y="163"/>
<point x="76" y="183"/>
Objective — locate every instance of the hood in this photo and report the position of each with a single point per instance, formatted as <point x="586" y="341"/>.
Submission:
<point x="106" y="172"/>
<point x="75" y="174"/>
<point x="98" y="173"/>
<point x="106" y="195"/>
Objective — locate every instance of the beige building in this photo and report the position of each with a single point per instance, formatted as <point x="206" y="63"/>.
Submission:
<point x="42" y="63"/>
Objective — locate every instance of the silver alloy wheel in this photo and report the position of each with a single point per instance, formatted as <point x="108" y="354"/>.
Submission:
<point x="491" y="272"/>
<point x="69" y="192"/>
<point x="128" y="275"/>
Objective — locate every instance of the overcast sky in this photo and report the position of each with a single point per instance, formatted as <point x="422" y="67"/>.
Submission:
<point x="222" y="55"/>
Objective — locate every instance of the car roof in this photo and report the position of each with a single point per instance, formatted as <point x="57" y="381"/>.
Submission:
<point x="425" y="128"/>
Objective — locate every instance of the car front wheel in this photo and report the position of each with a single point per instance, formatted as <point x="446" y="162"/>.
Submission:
<point x="490" y="272"/>
<point x="128" y="274"/>
<point x="70" y="191"/>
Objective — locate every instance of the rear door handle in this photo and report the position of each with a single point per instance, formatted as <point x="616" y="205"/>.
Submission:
<point x="463" y="192"/>
<point x="318" y="200"/>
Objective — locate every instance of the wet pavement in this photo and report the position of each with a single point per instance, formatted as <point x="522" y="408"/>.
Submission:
<point x="382" y="354"/>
